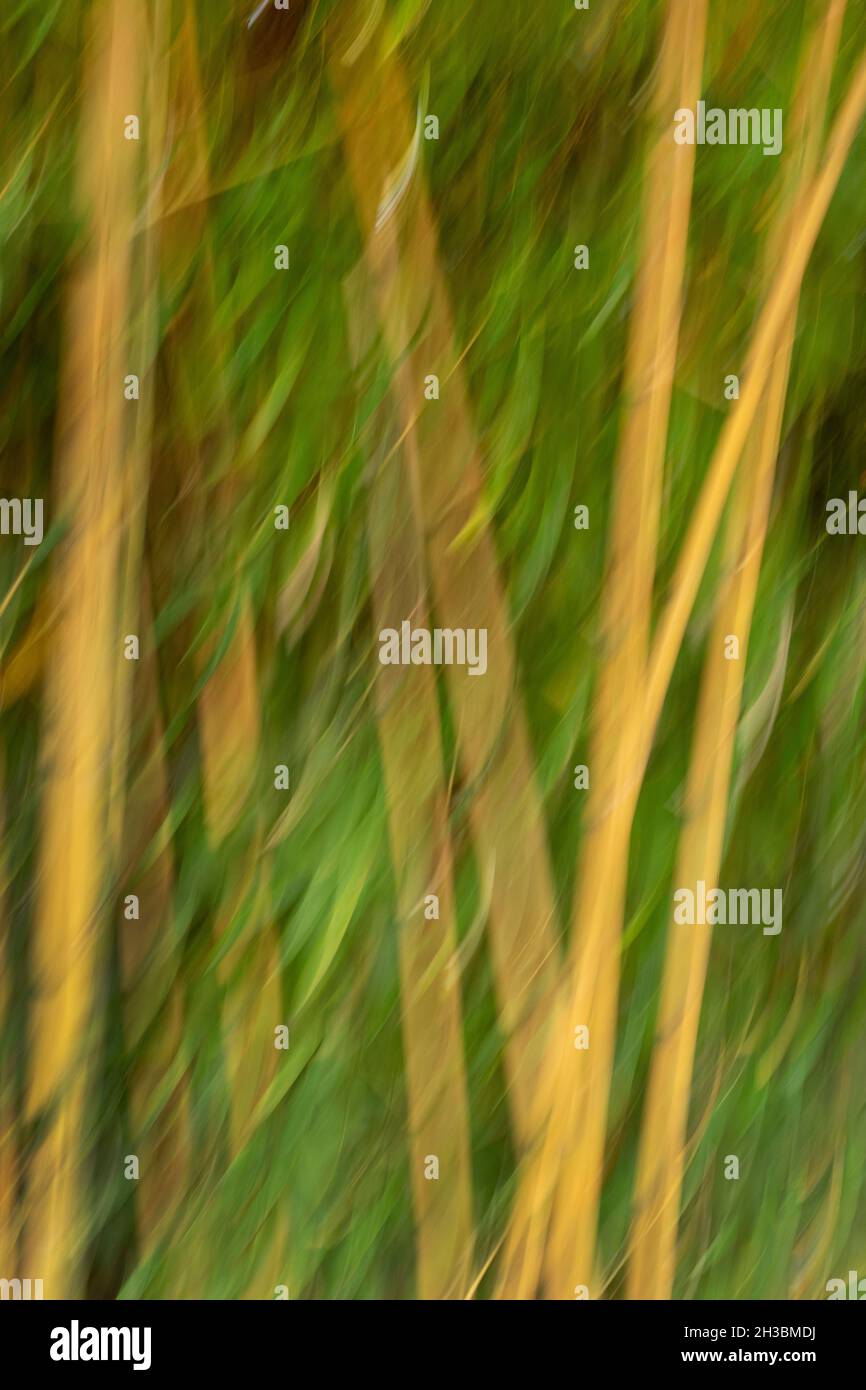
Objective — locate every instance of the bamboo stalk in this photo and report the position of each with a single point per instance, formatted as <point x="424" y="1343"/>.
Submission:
<point x="142" y="350"/>
<point x="663" y="1137"/>
<point x="152" y="1007"/>
<point x="600" y="893"/>
<point x="410" y="737"/>
<point x="696" y="548"/>
<point x="68" y="940"/>
<point x="564" y="1176"/>
<point x="493" y="741"/>
<point x="530" y="1205"/>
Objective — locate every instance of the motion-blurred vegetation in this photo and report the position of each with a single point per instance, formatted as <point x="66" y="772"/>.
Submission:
<point x="149" y="1031"/>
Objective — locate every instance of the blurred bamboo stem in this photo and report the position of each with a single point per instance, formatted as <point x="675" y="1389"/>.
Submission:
<point x="523" y="1252"/>
<point x="410" y="735"/>
<point x="153" y="1025"/>
<point x="493" y="741"/>
<point x="67" y="953"/>
<point x="134" y="469"/>
<point x="562" y="1181"/>
<point x="663" y="1137"/>
<point x="627" y="601"/>
<point x="808" y="217"/>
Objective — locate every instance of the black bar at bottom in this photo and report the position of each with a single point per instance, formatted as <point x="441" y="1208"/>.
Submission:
<point x="159" y="1339"/>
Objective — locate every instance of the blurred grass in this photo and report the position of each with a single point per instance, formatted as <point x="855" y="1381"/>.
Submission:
<point x="304" y="389"/>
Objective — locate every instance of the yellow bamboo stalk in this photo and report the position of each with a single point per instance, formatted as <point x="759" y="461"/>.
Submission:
<point x="68" y="940"/>
<point x="806" y="223"/>
<point x="627" y="599"/>
<point x="563" y="1178"/>
<point x="493" y="743"/>
<point x="663" y="1137"/>
<point x="410" y="737"/>
<point x="134" y="470"/>
<point x="530" y="1211"/>
<point x="158" y="1104"/>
